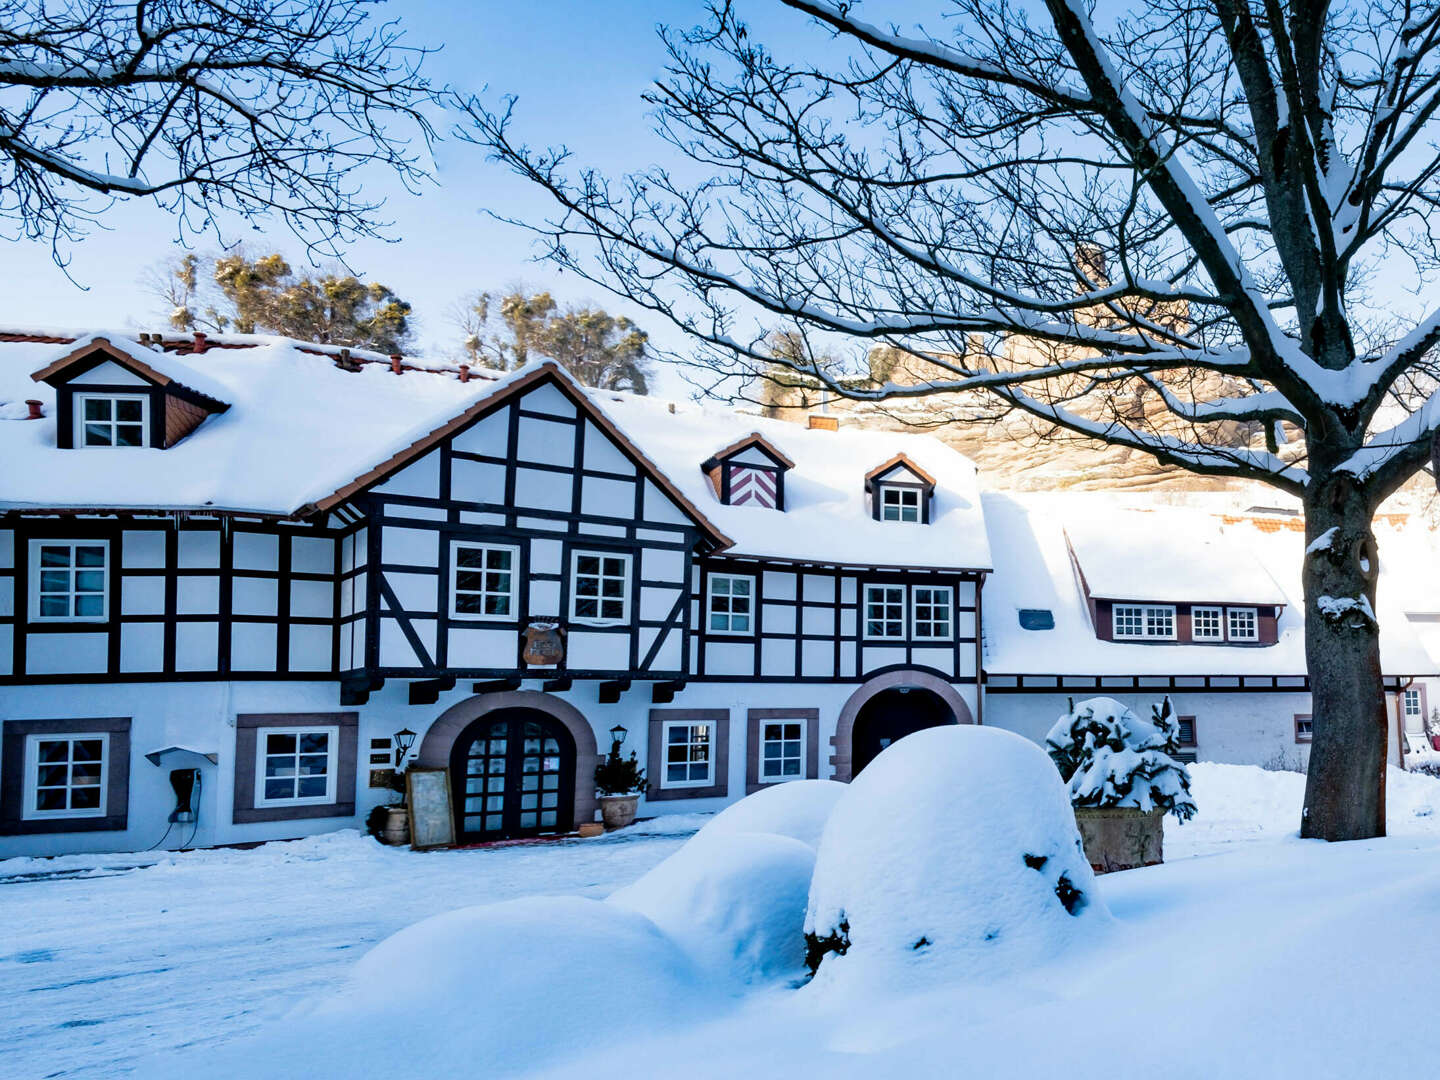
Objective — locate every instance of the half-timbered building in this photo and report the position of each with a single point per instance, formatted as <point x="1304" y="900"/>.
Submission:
<point x="243" y="579"/>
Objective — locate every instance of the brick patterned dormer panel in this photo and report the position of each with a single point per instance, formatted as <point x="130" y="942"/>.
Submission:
<point x="750" y="472"/>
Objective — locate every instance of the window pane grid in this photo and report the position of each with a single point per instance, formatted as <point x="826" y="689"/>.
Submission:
<point x="931" y="613"/>
<point x="601" y="587"/>
<point x="782" y="750"/>
<point x="899" y="504"/>
<point x="295" y="765"/>
<point x="884" y="611"/>
<point x="112" y="421"/>
<point x="484" y="578"/>
<point x="68" y="776"/>
<point x="1412" y="702"/>
<point x="1205" y="624"/>
<point x="1143" y="621"/>
<point x="71" y="581"/>
<point x="731" y="603"/>
<point x="1243" y="624"/>
<point x="688" y="754"/>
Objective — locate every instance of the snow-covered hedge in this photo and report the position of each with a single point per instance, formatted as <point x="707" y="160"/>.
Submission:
<point x="954" y="853"/>
<point x="1110" y="757"/>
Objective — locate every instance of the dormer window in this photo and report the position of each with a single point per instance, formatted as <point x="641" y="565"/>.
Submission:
<point x="110" y="394"/>
<point x="750" y="472"/>
<point x="111" y="419"/>
<point x="900" y="491"/>
<point x="899" y="503"/>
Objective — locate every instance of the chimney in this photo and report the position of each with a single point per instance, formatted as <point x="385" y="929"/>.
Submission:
<point x="37" y="411"/>
<point x="395" y="363"/>
<point x="824" y="423"/>
<point x="144" y="341"/>
<point x="464" y="372"/>
<point x="200" y="345"/>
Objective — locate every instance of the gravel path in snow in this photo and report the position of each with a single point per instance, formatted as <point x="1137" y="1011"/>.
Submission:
<point x="103" y="961"/>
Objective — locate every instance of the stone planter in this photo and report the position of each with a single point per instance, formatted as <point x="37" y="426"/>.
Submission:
<point x="397" y="825"/>
<point x="1121" y="838"/>
<point x="617" y="811"/>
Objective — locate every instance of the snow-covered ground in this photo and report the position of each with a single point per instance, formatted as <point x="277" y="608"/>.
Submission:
<point x="1249" y="953"/>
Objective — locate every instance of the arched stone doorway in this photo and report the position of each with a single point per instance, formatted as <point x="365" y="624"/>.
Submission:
<point x="887" y="707"/>
<point x="561" y="733"/>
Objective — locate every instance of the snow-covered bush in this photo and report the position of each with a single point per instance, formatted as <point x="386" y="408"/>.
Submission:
<point x="1110" y="757"/>
<point x="798" y="809"/>
<point x="954" y="853"/>
<point x="734" y="901"/>
<point x="504" y="988"/>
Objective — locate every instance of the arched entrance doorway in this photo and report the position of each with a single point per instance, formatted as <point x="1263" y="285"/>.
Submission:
<point x="512" y="773"/>
<point x="891" y="715"/>
<point x="894" y="717"/>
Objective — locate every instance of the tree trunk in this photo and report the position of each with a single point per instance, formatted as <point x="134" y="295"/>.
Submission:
<point x="1345" y="784"/>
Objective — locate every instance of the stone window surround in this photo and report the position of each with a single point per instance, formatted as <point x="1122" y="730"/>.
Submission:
<point x="754" y="724"/>
<point x="247" y="727"/>
<point x="117" y="780"/>
<point x="655" y="755"/>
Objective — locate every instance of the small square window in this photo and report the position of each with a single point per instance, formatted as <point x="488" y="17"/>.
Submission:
<point x="484" y="581"/>
<point x="782" y="750"/>
<point x="111" y="419"/>
<point x="930" y="613"/>
<point x="689" y="754"/>
<point x="600" y="587"/>
<point x="1206" y="624"/>
<point x="885" y="612"/>
<point x="899" y="503"/>
<point x="730" y="604"/>
<point x="1304" y="729"/>
<point x="295" y="766"/>
<point x="1243" y="624"/>
<point x="65" y="775"/>
<point x="71" y="580"/>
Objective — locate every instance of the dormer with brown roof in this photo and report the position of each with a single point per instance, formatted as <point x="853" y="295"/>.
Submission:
<point x="900" y="490"/>
<point x="111" y="394"/>
<point x="750" y="472"/>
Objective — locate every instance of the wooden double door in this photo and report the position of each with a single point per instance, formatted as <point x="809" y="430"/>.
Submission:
<point x="513" y="774"/>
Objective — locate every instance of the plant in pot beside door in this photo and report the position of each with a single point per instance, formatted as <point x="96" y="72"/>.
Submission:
<point x="619" y="781"/>
<point x="1124" y="777"/>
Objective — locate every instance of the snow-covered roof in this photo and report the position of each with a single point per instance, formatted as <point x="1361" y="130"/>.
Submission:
<point x="1033" y="569"/>
<point x="1167" y="554"/>
<point x="300" y="429"/>
<point x="827" y="516"/>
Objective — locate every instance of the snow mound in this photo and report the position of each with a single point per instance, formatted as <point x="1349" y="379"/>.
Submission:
<point x="798" y="809"/>
<point x="503" y="988"/>
<point x="734" y="901"/>
<point x="954" y="853"/>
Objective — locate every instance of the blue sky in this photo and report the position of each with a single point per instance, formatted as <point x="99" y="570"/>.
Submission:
<point x="578" y="67"/>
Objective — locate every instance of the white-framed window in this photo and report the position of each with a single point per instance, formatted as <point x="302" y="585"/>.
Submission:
<point x="689" y="753"/>
<point x="930" y="607"/>
<point x="899" y="503"/>
<point x="111" y="419"/>
<point x="65" y="775"/>
<point x="1412" y="704"/>
<point x="69" y="580"/>
<point x="730" y="605"/>
<point x="1243" y="623"/>
<point x="1155" y="621"/>
<point x="885" y="612"/>
<point x="295" y="766"/>
<point x="600" y="587"/>
<point x="782" y="750"/>
<point x="1304" y="728"/>
<point x="1207" y="624"/>
<point x="484" y="581"/>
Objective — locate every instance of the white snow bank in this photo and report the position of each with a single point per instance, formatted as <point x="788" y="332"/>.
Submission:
<point x="735" y="901"/>
<point x="502" y="988"/>
<point x="798" y="809"/>
<point x="954" y="853"/>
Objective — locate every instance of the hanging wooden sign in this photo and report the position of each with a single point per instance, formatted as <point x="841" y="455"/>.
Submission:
<point x="544" y="644"/>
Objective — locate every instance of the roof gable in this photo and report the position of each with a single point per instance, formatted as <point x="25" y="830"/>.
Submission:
<point x="754" y="442"/>
<point x="545" y="374"/>
<point x="153" y="368"/>
<point x="899" y="469"/>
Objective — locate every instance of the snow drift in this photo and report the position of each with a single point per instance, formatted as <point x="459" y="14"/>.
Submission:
<point x="797" y="809"/>
<point x="954" y="853"/>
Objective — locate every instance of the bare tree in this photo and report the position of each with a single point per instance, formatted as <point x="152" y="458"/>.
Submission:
<point x="1069" y="217"/>
<point x="210" y="107"/>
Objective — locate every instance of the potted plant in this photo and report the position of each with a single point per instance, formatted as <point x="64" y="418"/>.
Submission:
<point x="1124" y="777"/>
<point x="619" y="781"/>
<point x="390" y="822"/>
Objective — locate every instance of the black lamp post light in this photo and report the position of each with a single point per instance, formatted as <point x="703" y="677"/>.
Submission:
<point x="404" y="739"/>
<point x="617" y="735"/>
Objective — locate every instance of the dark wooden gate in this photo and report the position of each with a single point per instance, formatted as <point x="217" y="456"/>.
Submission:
<point x="891" y="715"/>
<point x="513" y="774"/>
